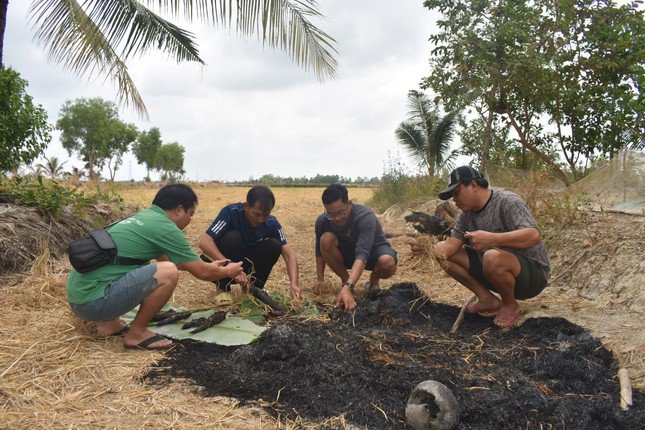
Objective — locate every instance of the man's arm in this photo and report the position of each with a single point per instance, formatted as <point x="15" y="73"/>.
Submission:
<point x="346" y="296"/>
<point x="320" y="269"/>
<point x="207" y="246"/>
<point x="211" y="271"/>
<point x="518" y="239"/>
<point x="291" y="262"/>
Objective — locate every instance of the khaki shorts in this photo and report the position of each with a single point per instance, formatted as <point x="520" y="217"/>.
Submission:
<point x="529" y="283"/>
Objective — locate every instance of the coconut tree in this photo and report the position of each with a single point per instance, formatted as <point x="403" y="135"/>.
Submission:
<point x="426" y="135"/>
<point x="53" y="167"/>
<point x="97" y="37"/>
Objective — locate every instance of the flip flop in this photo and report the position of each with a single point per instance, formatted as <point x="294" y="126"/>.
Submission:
<point x="145" y="344"/>
<point x="124" y="330"/>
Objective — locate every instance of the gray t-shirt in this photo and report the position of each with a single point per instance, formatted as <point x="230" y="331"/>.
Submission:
<point x="363" y="231"/>
<point x="505" y="211"/>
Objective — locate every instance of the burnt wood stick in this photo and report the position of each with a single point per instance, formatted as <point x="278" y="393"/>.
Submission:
<point x="462" y="313"/>
<point x="262" y="296"/>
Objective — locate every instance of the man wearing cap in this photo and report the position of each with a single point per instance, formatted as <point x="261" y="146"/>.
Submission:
<point x="495" y="246"/>
<point x="348" y="236"/>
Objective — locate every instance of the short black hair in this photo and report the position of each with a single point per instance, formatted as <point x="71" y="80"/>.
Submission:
<point x="333" y="193"/>
<point x="173" y="195"/>
<point x="263" y="195"/>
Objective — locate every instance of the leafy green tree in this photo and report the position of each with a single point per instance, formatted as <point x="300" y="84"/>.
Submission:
<point x="24" y="131"/>
<point x="576" y="65"/>
<point x="426" y="134"/>
<point x="170" y="161"/>
<point x="92" y="128"/>
<point x="98" y="36"/>
<point x="52" y="167"/>
<point x="146" y="147"/>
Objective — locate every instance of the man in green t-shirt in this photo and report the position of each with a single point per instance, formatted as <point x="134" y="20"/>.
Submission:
<point x="104" y="294"/>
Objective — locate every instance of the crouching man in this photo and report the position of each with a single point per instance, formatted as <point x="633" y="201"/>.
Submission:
<point x="495" y="246"/>
<point x="106" y="293"/>
<point x="247" y="232"/>
<point x="348" y="236"/>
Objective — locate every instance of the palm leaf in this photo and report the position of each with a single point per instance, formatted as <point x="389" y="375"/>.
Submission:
<point x="71" y="38"/>
<point x="85" y="36"/>
<point x="442" y="135"/>
<point x="413" y="141"/>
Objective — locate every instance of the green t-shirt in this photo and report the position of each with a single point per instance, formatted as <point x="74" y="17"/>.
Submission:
<point x="144" y="236"/>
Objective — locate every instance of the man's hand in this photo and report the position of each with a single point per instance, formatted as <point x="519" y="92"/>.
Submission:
<point x="296" y="292"/>
<point x="232" y="270"/>
<point x="347" y="298"/>
<point x="221" y="263"/>
<point x="243" y="281"/>
<point x="481" y="240"/>
<point x="416" y="248"/>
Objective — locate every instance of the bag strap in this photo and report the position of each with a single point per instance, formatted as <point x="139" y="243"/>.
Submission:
<point x="125" y="261"/>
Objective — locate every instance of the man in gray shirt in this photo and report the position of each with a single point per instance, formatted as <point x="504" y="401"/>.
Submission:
<point x="495" y="246"/>
<point x="348" y="236"/>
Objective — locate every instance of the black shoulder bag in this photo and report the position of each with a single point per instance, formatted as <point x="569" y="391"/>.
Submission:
<point x="96" y="250"/>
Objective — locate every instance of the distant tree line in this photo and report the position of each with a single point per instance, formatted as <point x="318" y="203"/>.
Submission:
<point x="317" y="180"/>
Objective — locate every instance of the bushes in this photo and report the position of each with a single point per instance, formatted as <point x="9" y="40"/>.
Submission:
<point x="398" y="187"/>
<point x="49" y="197"/>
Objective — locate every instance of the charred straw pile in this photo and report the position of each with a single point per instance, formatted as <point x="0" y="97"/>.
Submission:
<point x="548" y="373"/>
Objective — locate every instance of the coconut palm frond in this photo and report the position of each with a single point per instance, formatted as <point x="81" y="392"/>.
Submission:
<point x="448" y="163"/>
<point x="130" y="22"/>
<point x="286" y="24"/>
<point x="283" y="24"/>
<point x="443" y="133"/>
<point x="71" y="38"/>
<point x="413" y="141"/>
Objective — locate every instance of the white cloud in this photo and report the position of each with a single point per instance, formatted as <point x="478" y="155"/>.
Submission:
<point x="250" y="110"/>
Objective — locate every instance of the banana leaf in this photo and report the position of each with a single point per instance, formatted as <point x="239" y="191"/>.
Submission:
<point x="232" y="331"/>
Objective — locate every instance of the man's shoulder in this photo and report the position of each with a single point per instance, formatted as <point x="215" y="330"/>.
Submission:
<point x="507" y="196"/>
<point x="272" y="222"/>
<point x="361" y="210"/>
<point x="234" y="207"/>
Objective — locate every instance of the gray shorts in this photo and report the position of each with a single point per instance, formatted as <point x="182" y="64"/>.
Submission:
<point x="121" y="296"/>
<point x="348" y="251"/>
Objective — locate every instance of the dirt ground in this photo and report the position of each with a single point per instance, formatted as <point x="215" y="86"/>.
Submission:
<point x="54" y="373"/>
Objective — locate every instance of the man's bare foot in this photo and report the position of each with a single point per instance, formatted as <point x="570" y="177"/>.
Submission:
<point x="111" y="328"/>
<point x="134" y="339"/>
<point x="507" y="316"/>
<point x="489" y="306"/>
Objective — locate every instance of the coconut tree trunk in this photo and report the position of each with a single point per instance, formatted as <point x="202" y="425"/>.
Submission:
<point x="4" y="4"/>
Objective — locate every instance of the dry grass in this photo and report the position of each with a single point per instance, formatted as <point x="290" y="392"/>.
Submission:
<point x="53" y="374"/>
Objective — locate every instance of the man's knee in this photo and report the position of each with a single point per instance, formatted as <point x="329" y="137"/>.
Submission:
<point x="386" y="265"/>
<point x="328" y="240"/>
<point x="440" y="254"/>
<point x="232" y="245"/>
<point x="496" y="262"/>
<point x="167" y="273"/>
<point x="272" y="247"/>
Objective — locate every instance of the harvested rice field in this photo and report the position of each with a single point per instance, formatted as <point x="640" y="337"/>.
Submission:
<point x="557" y="370"/>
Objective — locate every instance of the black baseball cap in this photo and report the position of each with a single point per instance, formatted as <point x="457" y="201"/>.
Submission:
<point x="459" y="176"/>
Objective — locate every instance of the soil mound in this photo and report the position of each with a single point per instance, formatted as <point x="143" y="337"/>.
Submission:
<point x="547" y="373"/>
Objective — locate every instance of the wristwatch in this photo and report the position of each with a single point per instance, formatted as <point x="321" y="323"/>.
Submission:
<point x="349" y="284"/>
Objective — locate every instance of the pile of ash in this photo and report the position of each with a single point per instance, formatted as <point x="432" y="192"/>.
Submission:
<point x="548" y="373"/>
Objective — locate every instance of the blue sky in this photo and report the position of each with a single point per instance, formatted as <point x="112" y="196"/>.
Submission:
<point x="250" y="110"/>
